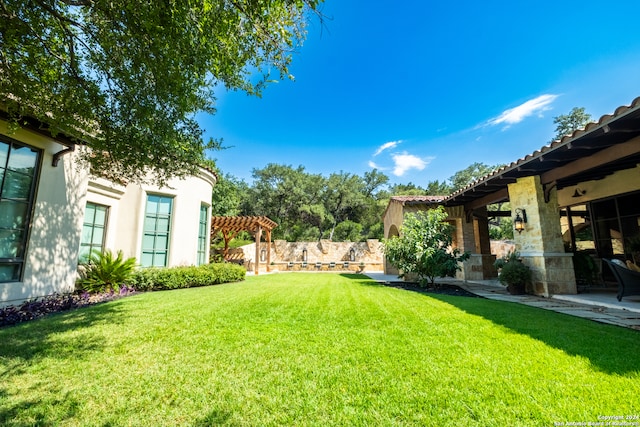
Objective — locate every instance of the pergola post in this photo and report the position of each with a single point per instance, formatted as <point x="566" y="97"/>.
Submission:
<point x="256" y="265"/>
<point x="229" y="226"/>
<point x="268" y="232"/>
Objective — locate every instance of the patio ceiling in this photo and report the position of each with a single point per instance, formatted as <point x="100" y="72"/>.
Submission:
<point x="602" y="148"/>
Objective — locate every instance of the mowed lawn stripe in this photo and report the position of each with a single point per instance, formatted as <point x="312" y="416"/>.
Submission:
<point x="314" y="349"/>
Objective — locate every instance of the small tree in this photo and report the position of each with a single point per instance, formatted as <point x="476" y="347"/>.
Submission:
<point x="568" y="123"/>
<point x="424" y="247"/>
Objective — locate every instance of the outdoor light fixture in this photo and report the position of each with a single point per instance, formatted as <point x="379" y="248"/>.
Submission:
<point x="263" y="254"/>
<point x="520" y="220"/>
<point x="579" y="192"/>
<point x="304" y="255"/>
<point x="352" y="255"/>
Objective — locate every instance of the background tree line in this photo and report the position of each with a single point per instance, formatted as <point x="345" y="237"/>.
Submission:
<point x="345" y="206"/>
<point x="339" y="207"/>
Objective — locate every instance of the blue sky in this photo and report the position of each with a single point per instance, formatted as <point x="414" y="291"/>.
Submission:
<point x="422" y="89"/>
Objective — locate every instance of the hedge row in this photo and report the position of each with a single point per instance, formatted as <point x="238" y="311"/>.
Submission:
<point x="156" y="279"/>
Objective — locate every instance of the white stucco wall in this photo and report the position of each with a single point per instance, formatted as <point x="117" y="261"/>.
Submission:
<point x="126" y="214"/>
<point x="61" y="195"/>
<point x="54" y="237"/>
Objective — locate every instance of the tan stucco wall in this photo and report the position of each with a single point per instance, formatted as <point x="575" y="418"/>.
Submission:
<point x="618" y="183"/>
<point x="54" y="239"/>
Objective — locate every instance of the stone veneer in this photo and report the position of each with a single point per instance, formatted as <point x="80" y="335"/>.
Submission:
<point x="368" y="253"/>
<point x="540" y="244"/>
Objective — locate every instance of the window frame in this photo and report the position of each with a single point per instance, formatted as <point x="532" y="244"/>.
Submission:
<point x="18" y="262"/>
<point x="155" y="251"/>
<point x="201" y="253"/>
<point x="93" y="227"/>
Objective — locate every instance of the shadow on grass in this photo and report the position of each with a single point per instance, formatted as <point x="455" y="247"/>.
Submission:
<point x="215" y="418"/>
<point x="361" y="279"/>
<point x="45" y="336"/>
<point x="25" y="344"/>
<point x="611" y="349"/>
<point x="39" y="412"/>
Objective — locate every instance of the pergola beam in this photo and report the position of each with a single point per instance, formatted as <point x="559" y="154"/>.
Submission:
<point x="230" y="226"/>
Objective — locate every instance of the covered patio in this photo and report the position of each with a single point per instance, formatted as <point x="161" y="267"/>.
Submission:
<point x="580" y="194"/>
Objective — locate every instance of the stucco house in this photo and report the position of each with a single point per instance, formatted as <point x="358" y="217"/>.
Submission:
<point x="580" y="192"/>
<point x="53" y="212"/>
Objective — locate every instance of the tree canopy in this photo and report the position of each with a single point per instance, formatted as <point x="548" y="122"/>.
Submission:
<point x="127" y="77"/>
<point x="424" y="246"/>
<point x="567" y="123"/>
<point x="308" y="206"/>
<point x="340" y="207"/>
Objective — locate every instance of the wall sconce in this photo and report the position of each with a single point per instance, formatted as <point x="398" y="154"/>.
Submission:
<point x="263" y="254"/>
<point x="304" y="255"/>
<point x="352" y="255"/>
<point x="579" y="192"/>
<point x="520" y="220"/>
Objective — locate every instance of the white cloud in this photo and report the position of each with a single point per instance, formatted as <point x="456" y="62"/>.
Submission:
<point x="386" y="146"/>
<point x="519" y="113"/>
<point x="372" y="165"/>
<point x="405" y="161"/>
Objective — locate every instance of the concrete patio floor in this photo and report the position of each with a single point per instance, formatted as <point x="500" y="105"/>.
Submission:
<point x="600" y="306"/>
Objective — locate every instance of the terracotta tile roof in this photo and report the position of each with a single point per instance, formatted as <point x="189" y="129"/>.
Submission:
<point x="418" y="199"/>
<point x="589" y="139"/>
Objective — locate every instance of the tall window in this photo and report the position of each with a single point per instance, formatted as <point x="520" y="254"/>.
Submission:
<point x="157" y="224"/>
<point x="202" y="235"/>
<point x="93" y="227"/>
<point x="18" y="169"/>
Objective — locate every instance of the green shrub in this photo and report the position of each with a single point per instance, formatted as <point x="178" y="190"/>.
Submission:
<point x="424" y="247"/>
<point x="155" y="279"/>
<point x="103" y="273"/>
<point x="515" y="273"/>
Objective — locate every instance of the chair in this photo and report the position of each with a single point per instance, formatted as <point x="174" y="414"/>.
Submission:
<point x="318" y="265"/>
<point x="628" y="280"/>
<point x="290" y="265"/>
<point x="304" y="264"/>
<point x="332" y="265"/>
<point x="345" y="265"/>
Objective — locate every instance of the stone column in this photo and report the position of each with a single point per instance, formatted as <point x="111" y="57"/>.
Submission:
<point x="472" y="235"/>
<point x="483" y="245"/>
<point x="540" y="244"/>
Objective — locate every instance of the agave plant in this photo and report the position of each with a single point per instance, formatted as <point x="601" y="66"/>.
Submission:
<point x="102" y="272"/>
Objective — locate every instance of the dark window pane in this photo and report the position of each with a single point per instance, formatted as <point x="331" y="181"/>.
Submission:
<point x="4" y="154"/>
<point x="23" y="159"/>
<point x="16" y="185"/>
<point x="10" y="272"/>
<point x="629" y="205"/>
<point x="11" y="243"/>
<point x="13" y="214"/>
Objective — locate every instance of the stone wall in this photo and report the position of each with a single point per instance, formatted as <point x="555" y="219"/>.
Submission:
<point x="368" y="253"/>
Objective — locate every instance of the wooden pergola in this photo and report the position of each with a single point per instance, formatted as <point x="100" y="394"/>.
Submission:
<point x="230" y="226"/>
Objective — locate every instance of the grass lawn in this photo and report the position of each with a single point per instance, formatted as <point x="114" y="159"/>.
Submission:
<point x="314" y="349"/>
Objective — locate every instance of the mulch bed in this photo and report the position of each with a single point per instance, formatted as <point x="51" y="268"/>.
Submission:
<point x="441" y="289"/>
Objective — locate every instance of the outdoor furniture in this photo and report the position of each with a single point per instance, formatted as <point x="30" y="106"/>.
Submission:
<point x="318" y="265"/>
<point x="628" y="280"/>
<point x="345" y="265"/>
<point x="304" y="264"/>
<point x="332" y="265"/>
<point x="290" y="265"/>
